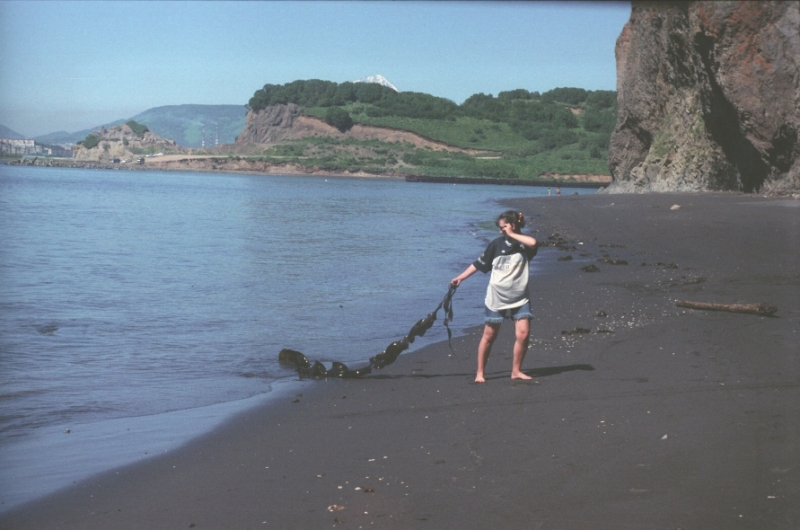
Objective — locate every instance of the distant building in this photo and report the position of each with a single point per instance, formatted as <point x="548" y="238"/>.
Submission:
<point x="10" y="146"/>
<point x="18" y="147"/>
<point x="59" y="151"/>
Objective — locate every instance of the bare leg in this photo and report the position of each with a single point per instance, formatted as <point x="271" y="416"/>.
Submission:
<point x="485" y="348"/>
<point x="522" y="331"/>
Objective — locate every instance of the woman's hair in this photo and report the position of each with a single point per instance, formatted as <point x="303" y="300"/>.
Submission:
<point x="512" y="217"/>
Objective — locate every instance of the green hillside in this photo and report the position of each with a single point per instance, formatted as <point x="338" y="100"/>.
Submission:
<point x="182" y="123"/>
<point x="516" y="135"/>
<point x="64" y="137"/>
<point x="9" y="134"/>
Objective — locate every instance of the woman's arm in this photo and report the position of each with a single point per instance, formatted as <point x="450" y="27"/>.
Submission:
<point x="463" y="276"/>
<point x="522" y="238"/>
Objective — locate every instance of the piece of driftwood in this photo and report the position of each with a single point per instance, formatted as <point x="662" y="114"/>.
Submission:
<point x="756" y="309"/>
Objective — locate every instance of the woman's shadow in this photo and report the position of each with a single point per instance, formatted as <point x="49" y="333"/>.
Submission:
<point x="546" y="372"/>
<point x="555" y="370"/>
<point x="533" y="372"/>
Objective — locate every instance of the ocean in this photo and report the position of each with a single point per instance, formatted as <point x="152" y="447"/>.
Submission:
<point x="140" y="309"/>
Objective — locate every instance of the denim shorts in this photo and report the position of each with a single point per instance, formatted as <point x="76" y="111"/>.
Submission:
<point x="517" y="313"/>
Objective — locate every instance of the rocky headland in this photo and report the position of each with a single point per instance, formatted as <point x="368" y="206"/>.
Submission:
<point x="122" y="142"/>
<point x="709" y="98"/>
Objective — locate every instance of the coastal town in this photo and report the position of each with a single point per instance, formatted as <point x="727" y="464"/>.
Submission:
<point x="28" y="147"/>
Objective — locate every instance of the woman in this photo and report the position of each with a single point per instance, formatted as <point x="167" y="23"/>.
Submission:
<point x="507" y="295"/>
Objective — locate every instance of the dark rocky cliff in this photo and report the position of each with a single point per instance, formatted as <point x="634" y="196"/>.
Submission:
<point x="709" y="98"/>
<point x="269" y="125"/>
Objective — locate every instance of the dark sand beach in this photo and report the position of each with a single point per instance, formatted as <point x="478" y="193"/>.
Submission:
<point x="657" y="418"/>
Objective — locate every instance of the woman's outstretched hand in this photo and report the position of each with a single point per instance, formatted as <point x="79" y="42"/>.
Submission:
<point x="455" y="282"/>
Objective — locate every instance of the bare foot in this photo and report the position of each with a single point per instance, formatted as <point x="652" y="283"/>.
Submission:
<point x="479" y="378"/>
<point x="520" y="375"/>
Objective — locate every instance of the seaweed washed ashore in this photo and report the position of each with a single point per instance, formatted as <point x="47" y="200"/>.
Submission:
<point x="317" y="370"/>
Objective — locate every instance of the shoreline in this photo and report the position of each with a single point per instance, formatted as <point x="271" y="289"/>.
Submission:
<point x="655" y="417"/>
<point x="221" y="164"/>
<point x="511" y="182"/>
<point x="147" y="435"/>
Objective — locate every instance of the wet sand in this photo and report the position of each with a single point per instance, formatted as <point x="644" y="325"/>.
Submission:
<point x="658" y="417"/>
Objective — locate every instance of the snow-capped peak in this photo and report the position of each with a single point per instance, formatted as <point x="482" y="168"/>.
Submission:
<point x="379" y="79"/>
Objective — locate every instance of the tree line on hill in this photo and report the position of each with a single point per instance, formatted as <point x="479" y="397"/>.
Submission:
<point x="545" y="117"/>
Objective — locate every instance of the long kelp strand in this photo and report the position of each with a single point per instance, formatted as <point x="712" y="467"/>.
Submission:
<point x="317" y="370"/>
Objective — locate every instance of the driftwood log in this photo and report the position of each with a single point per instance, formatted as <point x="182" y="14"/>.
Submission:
<point x="756" y="309"/>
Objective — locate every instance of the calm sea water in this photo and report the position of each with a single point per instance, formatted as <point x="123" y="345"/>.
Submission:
<point x="139" y="309"/>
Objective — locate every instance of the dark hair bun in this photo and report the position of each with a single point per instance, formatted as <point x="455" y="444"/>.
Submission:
<point x="513" y="217"/>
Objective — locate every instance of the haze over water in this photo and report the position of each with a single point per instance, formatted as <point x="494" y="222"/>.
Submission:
<point x="138" y="309"/>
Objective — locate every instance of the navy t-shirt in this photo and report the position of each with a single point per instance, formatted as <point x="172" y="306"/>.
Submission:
<point x="508" y="261"/>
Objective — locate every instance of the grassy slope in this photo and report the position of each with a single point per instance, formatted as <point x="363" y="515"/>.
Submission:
<point x="507" y="153"/>
<point x="184" y="123"/>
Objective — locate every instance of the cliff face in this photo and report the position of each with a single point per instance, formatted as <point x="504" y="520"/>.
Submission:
<point x="123" y="143"/>
<point x="709" y="98"/>
<point x="269" y="125"/>
<point x="284" y="122"/>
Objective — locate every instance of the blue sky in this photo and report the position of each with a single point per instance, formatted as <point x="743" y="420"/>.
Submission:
<point x="67" y="66"/>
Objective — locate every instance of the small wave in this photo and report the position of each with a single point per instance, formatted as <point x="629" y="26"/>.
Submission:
<point x="14" y="426"/>
<point x="16" y="394"/>
<point x="257" y="375"/>
<point x="71" y="413"/>
<point x="47" y="330"/>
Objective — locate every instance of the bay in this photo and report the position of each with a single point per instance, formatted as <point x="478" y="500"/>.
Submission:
<point x="138" y="309"/>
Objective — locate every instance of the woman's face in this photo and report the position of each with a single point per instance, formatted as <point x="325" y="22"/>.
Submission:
<point x="504" y="227"/>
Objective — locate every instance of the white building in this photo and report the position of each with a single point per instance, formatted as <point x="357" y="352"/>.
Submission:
<point x="19" y="147"/>
<point x="10" y="146"/>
